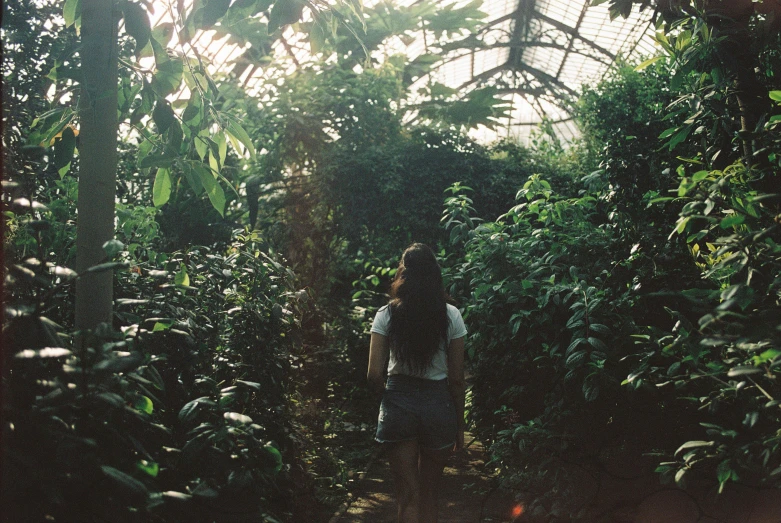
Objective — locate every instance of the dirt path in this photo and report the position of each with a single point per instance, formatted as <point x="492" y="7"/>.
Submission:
<point x="468" y="494"/>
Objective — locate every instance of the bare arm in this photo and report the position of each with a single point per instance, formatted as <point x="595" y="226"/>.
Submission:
<point x="457" y="383"/>
<point x="378" y="355"/>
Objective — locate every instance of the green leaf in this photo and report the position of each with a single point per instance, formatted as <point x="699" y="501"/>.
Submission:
<point x="766" y="356"/>
<point x="188" y="412"/>
<point x="148" y="467"/>
<point x="238" y="133"/>
<point x="212" y="187"/>
<point x="679" y="137"/>
<point x="64" y="148"/>
<point x="163" y="115"/>
<point x="134" y="488"/>
<point x="213" y="11"/>
<point x="646" y="63"/>
<point x="775" y="95"/>
<point x="71" y="11"/>
<point x="276" y="456"/>
<point x="182" y="278"/>
<point x="597" y="343"/>
<point x="161" y="192"/>
<point x="137" y="24"/>
<point x="679" y="478"/>
<point x="235" y="416"/>
<point x="161" y="326"/>
<point x="694" y="445"/>
<point x="144" y="404"/>
<point x="113" y="247"/>
<point x="576" y="358"/>
<point x="110" y="266"/>
<point x="284" y="12"/>
<point x="111" y="398"/>
<point x="167" y="77"/>
<point x="732" y="220"/>
<point x="249" y="384"/>
<point x="193" y="178"/>
<point x="120" y="364"/>
<point x="202" y="143"/>
<point x="318" y="37"/>
<point x="222" y="147"/>
<point x="590" y="390"/>
<point x="573" y="345"/>
<point x="743" y="371"/>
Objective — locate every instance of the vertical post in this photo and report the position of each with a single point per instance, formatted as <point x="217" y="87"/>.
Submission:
<point x="97" y="159"/>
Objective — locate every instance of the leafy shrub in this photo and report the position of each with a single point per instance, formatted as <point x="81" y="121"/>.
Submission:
<point x="596" y="323"/>
<point x="181" y="412"/>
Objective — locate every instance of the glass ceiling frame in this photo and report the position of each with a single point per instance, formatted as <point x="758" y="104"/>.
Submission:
<point x="535" y="53"/>
<point x="538" y="53"/>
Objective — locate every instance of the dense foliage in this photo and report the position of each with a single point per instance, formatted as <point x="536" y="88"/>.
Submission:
<point x="622" y="294"/>
<point x="611" y="318"/>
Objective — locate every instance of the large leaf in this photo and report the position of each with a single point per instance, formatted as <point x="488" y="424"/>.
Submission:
<point x="212" y="187"/>
<point x="284" y="12"/>
<point x="168" y="77"/>
<point x="213" y="11"/>
<point x="276" y="457"/>
<point x="190" y="409"/>
<point x="71" y="11"/>
<point x="235" y="416"/>
<point x="182" y="278"/>
<point x="163" y="115"/>
<point x="237" y="132"/>
<point x="694" y="445"/>
<point x="137" y="24"/>
<point x="120" y="363"/>
<point x="590" y="389"/>
<point x="480" y="107"/>
<point x="161" y="192"/>
<point x="64" y="149"/>
<point x="131" y="487"/>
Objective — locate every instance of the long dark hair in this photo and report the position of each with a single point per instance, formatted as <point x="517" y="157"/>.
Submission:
<point x="419" y="320"/>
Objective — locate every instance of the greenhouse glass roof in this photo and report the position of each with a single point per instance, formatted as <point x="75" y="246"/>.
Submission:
<point x="535" y="53"/>
<point x="539" y="52"/>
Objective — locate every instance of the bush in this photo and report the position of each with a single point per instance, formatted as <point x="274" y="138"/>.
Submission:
<point x="180" y="412"/>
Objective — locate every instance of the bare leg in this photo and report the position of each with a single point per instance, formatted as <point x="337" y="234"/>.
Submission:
<point x="432" y="463"/>
<point x="403" y="457"/>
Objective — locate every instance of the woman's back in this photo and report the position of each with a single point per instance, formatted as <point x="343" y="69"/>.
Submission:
<point x="437" y="369"/>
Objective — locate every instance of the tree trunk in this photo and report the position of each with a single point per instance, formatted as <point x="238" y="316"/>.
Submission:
<point x="97" y="160"/>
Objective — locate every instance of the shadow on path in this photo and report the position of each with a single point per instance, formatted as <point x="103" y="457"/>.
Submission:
<point x="468" y="494"/>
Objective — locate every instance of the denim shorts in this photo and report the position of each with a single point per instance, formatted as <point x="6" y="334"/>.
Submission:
<point x="417" y="409"/>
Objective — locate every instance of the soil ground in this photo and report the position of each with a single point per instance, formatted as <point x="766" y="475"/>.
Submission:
<point x="468" y="493"/>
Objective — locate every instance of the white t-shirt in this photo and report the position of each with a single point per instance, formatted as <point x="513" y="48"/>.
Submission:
<point x="438" y="368"/>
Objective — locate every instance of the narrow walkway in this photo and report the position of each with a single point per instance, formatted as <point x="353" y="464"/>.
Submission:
<point x="468" y="494"/>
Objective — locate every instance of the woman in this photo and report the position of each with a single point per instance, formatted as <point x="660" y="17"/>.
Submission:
<point x="422" y="412"/>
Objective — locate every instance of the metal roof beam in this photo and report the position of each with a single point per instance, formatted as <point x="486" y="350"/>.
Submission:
<point x="572" y="38"/>
<point x="546" y="78"/>
<point x="569" y="30"/>
<point x="522" y="18"/>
